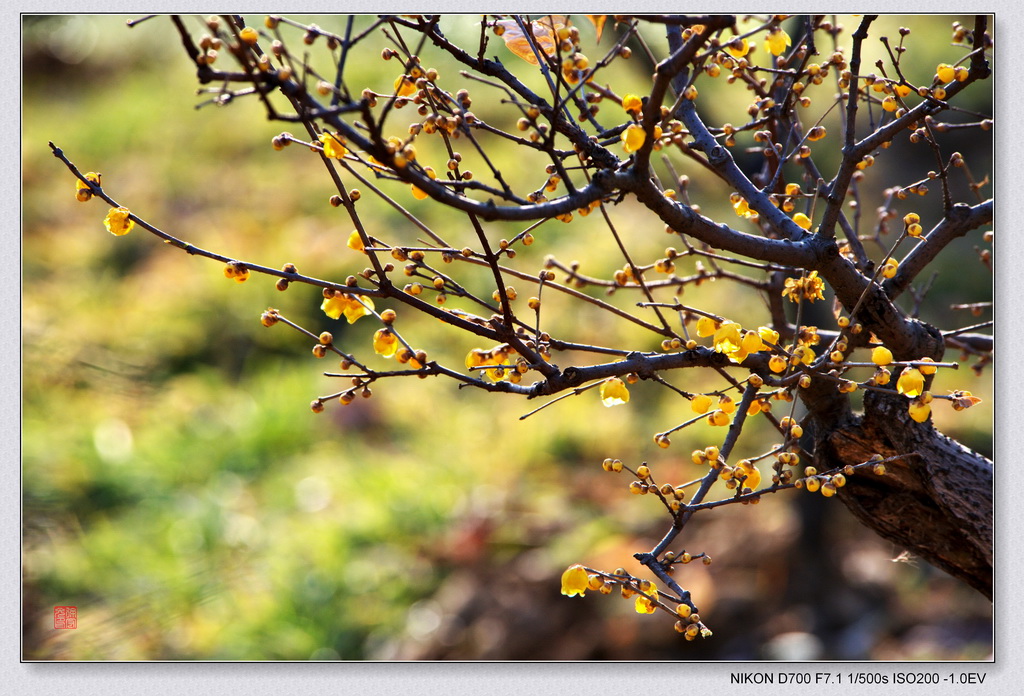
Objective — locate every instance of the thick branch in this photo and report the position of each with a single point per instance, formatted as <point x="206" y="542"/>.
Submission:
<point x="937" y="504"/>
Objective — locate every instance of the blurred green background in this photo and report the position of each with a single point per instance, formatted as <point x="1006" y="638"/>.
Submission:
<point x="179" y="492"/>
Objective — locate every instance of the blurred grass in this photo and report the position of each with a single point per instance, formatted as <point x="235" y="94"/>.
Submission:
<point x="176" y="487"/>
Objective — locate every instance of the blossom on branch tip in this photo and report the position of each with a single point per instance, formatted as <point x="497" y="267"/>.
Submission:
<point x="575" y="581"/>
<point x="614" y="392"/>
<point x="962" y="399"/>
<point x="645" y="603"/>
<point x="118" y="221"/>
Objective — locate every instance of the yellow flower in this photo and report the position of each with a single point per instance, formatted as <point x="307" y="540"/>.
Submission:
<point x="249" y="35"/>
<point x="498" y="357"/>
<point x="881" y="356"/>
<point x="334" y="146"/>
<point x="632" y="104"/>
<point x="777" y="363"/>
<point x="236" y="271"/>
<point x="355" y="241"/>
<point x="385" y="342"/>
<point x="742" y="208"/>
<point x="890" y="267"/>
<point x="348" y="305"/>
<point x="719" y="417"/>
<point x="418" y="193"/>
<point x="752" y="343"/>
<point x="727" y="338"/>
<point x="803" y="354"/>
<point x="919" y="410"/>
<point x="753" y="475"/>
<point x="82" y="190"/>
<point x="911" y="382"/>
<point x="633" y="137"/>
<point x="118" y="221"/>
<point x="614" y="392"/>
<point x="706" y="326"/>
<point x="809" y="287"/>
<point x="768" y="335"/>
<point x="476" y="357"/>
<point x="802" y="221"/>
<point x="945" y="72"/>
<point x="645" y="603"/>
<point x="700" y="403"/>
<point x="817" y="133"/>
<point x="404" y="86"/>
<point x="575" y="581"/>
<point x="738" y="47"/>
<point x="777" y="41"/>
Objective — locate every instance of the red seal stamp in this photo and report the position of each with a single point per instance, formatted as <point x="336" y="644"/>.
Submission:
<point x="65" y="617"/>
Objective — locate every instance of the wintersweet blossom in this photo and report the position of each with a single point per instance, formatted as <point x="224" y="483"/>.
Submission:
<point x="910" y="382"/>
<point x="119" y="221"/>
<point x="334" y="146"/>
<point x="614" y="392"/>
<point x="777" y="41"/>
<point x="575" y="581"/>
<point x="632" y="104"/>
<point x="706" y="326"/>
<point x="385" y="342"/>
<point x="881" y="356"/>
<point x="645" y="602"/>
<point x="919" y="410"/>
<point x="700" y="403"/>
<point x="809" y="287"/>
<point x="738" y="47"/>
<point x="347" y="305"/>
<point x="83" y="191"/>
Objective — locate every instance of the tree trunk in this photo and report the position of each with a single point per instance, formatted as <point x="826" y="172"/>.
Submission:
<point x="937" y="504"/>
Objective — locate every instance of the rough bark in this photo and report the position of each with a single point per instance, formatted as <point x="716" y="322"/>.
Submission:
<point x="936" y="504"/>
